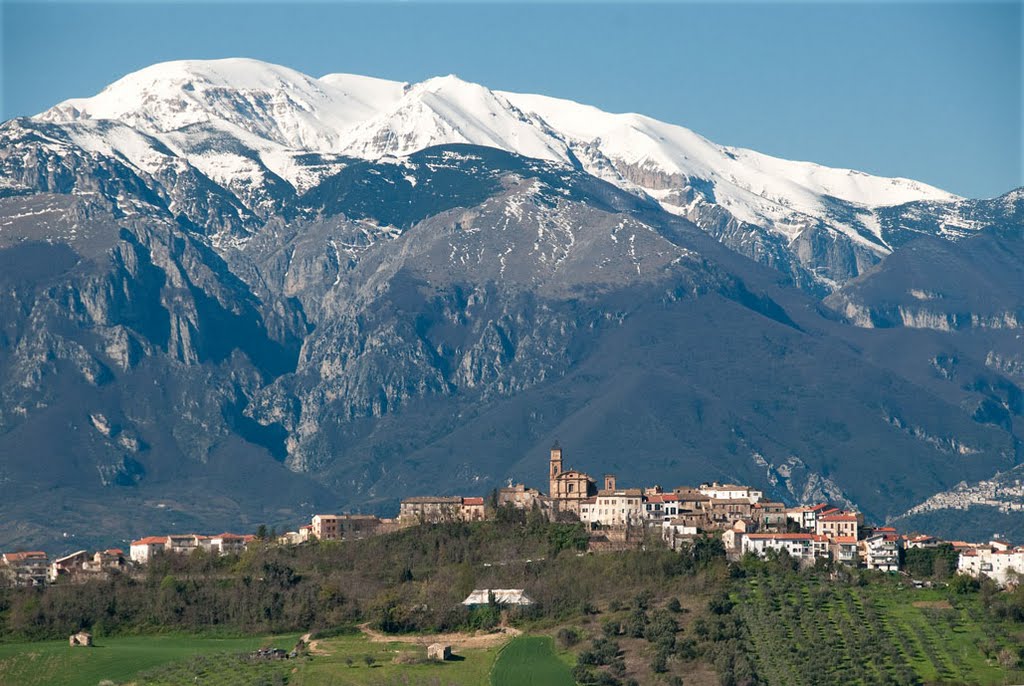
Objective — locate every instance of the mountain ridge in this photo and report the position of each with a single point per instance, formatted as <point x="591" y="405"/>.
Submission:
<point x="188" y="333"/>
<point x="281" y="116"/>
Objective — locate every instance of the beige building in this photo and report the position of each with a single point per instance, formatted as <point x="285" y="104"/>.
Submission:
<point x="473" y="510"/>
<point x="769" y="516"/>
<point x="725" y="511"/>
<point x="444" y="508"/>
<point x="27" y="568"/>
<point x="618" y="507"/>
<point x="326" y="527"/>
<point x="518" y="496"/>
<point x="838" y="525"/>
<point x="567" y="488"/>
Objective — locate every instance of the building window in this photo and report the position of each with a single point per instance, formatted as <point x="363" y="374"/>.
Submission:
<point x="572" y="487"/>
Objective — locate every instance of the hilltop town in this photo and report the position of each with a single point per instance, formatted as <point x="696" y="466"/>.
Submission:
<point x="616" y="518"/>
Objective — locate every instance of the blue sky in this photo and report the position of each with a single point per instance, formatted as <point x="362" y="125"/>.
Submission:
<point x="925" y="90"/>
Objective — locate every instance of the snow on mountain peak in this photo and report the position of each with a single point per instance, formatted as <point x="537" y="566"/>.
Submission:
<point x="282" y="114"/>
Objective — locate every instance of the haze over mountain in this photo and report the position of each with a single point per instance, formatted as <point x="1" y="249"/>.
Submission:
<point x="234" y="293"/>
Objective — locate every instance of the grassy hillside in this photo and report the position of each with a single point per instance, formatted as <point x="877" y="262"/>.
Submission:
<point x="646" y="616"/>
<point x="54" y="663"/>
<point x="530" y="661"/>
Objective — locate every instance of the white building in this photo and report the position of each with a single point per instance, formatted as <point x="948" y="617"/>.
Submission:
<point x="882" y="552"/>
<point x="499" y="596"/>
<point x="806" y="516"/>
<point x="661" y="507"/>
<point x="614" y="508"/>
<point x="676" y="532"/>
<point x="997" y="562"/>
<point x="799" y="546"/>
<point x="717" y="491"/>
<point x="143" y="550"/>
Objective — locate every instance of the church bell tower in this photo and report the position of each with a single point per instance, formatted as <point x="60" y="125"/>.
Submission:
<point x="556" y="469"/>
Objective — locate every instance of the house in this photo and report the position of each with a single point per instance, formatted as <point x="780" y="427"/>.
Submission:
<point x="725" y="511"/>
<point x="881" y="551"/>
<point x="345" y="527"/>
<point x="676" y="532"/>
<point x="799" y="546"/>
<point x="717" y="491"/>
<point x="106" y="561"/>
<point x="567" y="488"/>
<point x="227" y="544"/>
<point x="845" y="550"/>
<point x="436" y="509"/>
<point x="618" y="507"/>
<point x="806" y="516"/>
<point x="144" y="549"/>
<point x="732" y="538"/>
<point x="922" y="541"/>
<point x="472" y="510"/>
<point x="325" y="527"/>
<point x="518" y="496"/>
<point x="68" y="565"/>
<point x="768" y="515"/>
<point x="837" y="524"/>
<point x="29" y="568"/>
<point x="497" y="596"/>
<point x="184" y="544"/>
<point x="997" y="561"/>
<point x="660" y="507"/>
<point x="430" y="509"/>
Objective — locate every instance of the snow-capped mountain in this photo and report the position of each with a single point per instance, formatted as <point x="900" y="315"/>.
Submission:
<point x="246" y="125"/>
<point x="350" y="289"/>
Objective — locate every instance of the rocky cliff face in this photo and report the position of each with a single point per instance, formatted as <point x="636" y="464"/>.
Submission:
<point x="181" y="351"/>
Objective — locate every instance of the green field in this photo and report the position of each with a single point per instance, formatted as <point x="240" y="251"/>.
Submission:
<point x="54" y="663"/>
<point x="809" y="631"/>
<point x="530" y="661"/>
<point x="175" y="660"/>
<point x="402" y="664"/>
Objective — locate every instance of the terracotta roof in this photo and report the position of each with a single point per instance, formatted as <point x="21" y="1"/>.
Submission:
<point x="838" y="518"/>
<point x="151" y="541"/>
<point x="226" y="536"/>
<point x="27" y="555"/>
<point x="844" y="539"/>
<point x="475" y="500"/>
<point x="114" y="551"/>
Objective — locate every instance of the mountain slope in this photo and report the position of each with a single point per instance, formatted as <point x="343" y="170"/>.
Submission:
<point x="253" y="294"/>
<point x="249" y="125"/>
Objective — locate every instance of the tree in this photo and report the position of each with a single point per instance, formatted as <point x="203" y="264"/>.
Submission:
<point x="261" y="532"/>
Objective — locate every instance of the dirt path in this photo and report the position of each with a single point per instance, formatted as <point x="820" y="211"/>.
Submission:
<point x="312" y="646"/>
<point x="455" y="640"/>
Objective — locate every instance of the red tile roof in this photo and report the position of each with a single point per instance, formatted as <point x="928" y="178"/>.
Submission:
<point x="151" y="540"/>
<point x="27" y="555"/>
<point x="783" y="537"/>
<point x="473" y="501"/>
<point x="838" y="518"/>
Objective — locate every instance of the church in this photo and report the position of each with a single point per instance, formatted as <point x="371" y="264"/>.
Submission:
<point x="568" y="487"/>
